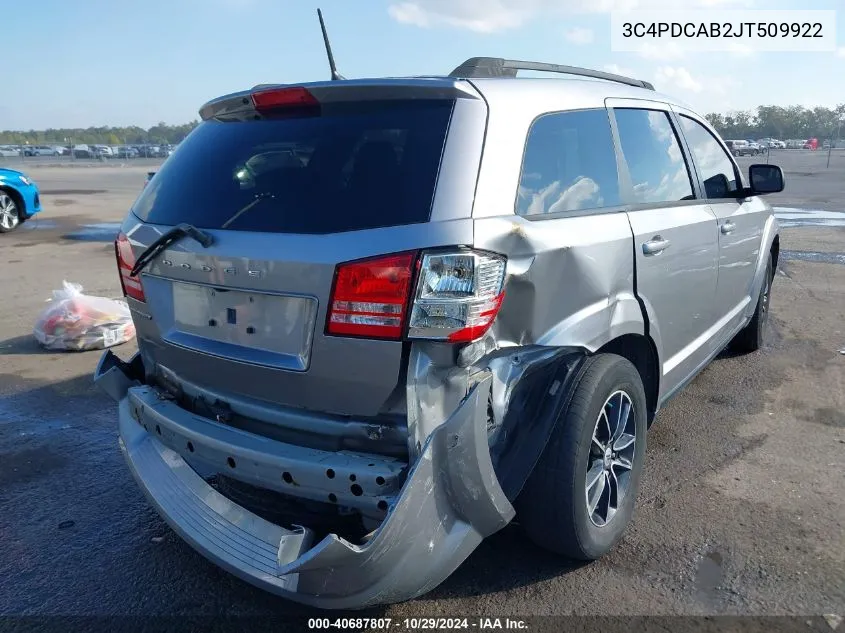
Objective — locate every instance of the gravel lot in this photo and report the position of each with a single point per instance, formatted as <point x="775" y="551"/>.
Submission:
<point x="741" y="509"/>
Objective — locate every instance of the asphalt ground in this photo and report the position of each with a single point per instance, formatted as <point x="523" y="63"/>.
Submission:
<point x="741" y="509"/>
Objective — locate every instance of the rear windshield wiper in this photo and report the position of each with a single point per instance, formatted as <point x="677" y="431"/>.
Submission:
<point x="166" y="239"/>
<point x="261" y="197"/>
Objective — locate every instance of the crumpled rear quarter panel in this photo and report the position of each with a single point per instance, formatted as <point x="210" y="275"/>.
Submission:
<point x="570" y="281"/>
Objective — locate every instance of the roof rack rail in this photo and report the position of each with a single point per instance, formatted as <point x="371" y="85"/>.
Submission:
<point x="488" y="67"/>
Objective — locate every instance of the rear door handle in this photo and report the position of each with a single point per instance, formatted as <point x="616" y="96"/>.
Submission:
<point x="655" y="245"/>
<point x="728" y="227"/>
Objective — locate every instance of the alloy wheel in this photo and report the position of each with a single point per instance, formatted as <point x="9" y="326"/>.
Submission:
<point x="9" y="218"/>
<point x="611" y="458"/>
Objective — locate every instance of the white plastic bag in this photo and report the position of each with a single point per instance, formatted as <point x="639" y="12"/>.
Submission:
<point x="77" y="322"/>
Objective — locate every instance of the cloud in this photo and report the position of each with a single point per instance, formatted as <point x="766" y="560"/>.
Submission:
<point x="676" y="77"/>
<point x="663" y="52"/>
<point x="619" y="70"/>
<point x="483" y="16"/>
<point x="739" y="49"/>
<point x="490" y="16"/>
<point x="579" y="36"/>
<point x="722" y="86"/>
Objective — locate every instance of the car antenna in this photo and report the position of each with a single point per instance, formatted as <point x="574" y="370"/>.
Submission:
<point x="335" y="75"/>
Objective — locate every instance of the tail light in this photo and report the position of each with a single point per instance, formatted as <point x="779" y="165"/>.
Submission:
<point x="456" y="296"/>
<point x="370" y="297"/>
<point x="125" y="261"/>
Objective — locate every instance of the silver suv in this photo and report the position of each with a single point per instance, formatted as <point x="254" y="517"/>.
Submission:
<point x="378" y="319"/>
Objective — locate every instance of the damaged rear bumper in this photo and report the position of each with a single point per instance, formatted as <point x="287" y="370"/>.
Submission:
<point x="450" y="500"/>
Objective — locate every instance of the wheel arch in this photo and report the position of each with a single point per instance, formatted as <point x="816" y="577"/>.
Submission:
<point x="641" y="351"/>
<point x="20" y="203"/>
<point x="17" y="197"/>
<point x="539" y="389"/>
<point x="769" y="246"/>
<point x="775" y="253"/>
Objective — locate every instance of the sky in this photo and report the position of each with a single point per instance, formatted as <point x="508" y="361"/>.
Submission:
<point x="81" y="63"/>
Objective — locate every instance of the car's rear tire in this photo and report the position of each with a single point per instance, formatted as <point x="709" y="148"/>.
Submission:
<point x="753" y="336"/>
<point x="11" y="213"/>
<point x="554" y="507"/>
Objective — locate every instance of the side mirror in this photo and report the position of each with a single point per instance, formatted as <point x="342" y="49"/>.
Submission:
<point x="717" y="186"/>
<point x="765" y="179"/>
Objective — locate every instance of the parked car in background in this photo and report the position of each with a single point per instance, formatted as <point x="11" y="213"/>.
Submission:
<point x="83" y="151"/>
<point x="126" y="152"/>
<point x="741" y="148"/>
<point x="756" y="148"/>
<point x="41" y="150"/>
<point x="467" y="305"/>
<point x="9" y="151"/>
<point x="19" y="199"/>
<point x="102" y="151"/>
<point x="811" y="143"/>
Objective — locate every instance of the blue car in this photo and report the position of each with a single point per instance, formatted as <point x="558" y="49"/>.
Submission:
<point x="19" y="199"/>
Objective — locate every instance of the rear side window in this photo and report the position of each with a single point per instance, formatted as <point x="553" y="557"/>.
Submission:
<point x="357" y="166"/>
<point x="716" y="167"/>
<point x="653" y="154"/>
<point x="569" y="164"/>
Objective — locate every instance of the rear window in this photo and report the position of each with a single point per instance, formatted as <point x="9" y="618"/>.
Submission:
<point x="358" y="166"/>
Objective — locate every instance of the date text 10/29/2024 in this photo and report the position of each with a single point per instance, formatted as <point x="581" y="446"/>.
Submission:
<point x="418" y="624"/>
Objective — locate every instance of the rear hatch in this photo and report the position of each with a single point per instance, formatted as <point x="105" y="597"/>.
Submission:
<point x="324" y="175"/>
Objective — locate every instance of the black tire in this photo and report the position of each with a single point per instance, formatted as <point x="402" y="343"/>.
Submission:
<point x="552" y="507"/>
<point x="11" y="211"/>
<point x="753" y="335"/>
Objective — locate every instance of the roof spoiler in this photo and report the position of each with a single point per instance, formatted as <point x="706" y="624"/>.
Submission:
<point x="492" y="67"/>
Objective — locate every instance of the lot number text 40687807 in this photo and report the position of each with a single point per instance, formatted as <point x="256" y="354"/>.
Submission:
<point x="418" y="624"/>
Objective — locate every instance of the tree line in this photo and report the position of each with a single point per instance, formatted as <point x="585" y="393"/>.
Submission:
<point x="792" y="122"/>
<point x="132" y="135"/>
